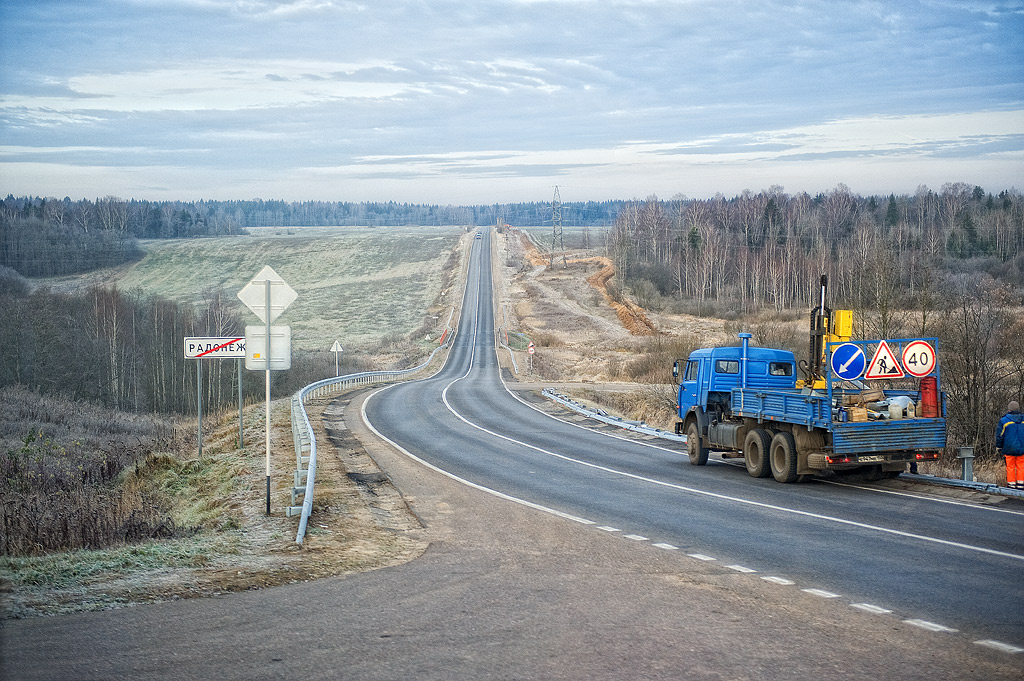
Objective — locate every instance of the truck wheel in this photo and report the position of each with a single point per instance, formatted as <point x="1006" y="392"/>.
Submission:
<point x="695" y="447"/>
<point x="756" y="451"/>
<point x="783" y="457"/>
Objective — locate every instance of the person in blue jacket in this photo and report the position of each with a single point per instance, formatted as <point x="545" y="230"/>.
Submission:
<point x="1010" y="443"/>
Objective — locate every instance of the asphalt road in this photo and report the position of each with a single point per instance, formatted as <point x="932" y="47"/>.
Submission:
<point x="947" y="564"/>
<point x="561" y="553"/>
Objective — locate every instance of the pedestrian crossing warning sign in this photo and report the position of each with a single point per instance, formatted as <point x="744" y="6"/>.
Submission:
<point x="884" y="364"/>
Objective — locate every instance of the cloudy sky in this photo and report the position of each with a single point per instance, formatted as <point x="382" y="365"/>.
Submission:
<point x="491" y="101"/>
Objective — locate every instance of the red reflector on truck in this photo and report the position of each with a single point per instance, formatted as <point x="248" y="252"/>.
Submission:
<point x="927" y="456"/>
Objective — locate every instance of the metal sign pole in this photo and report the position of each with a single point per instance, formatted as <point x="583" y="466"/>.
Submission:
<point x="199" y="403"/>
<point x="268" y="395"/>
<point x="241" y="437"/>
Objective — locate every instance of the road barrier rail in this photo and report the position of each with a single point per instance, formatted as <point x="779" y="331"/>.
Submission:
<point x="605" y="417"/>
<point x="305" y="441"/>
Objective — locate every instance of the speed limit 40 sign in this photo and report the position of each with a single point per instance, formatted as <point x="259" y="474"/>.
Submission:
<point x="919" y="358"/>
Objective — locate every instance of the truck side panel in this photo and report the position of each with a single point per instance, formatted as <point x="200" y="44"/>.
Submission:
<point x="782" y="405"/>
<point x="884" y="436"/>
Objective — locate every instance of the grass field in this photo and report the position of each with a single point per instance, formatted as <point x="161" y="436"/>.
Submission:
<point x="354" y="284"/>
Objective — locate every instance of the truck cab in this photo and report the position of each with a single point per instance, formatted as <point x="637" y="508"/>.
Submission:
<point x="710" y="374"/>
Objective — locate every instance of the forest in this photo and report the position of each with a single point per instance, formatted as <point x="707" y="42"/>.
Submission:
<point x="948" y="265"/>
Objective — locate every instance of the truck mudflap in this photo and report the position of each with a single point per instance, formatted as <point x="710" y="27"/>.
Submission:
<point x="902" y="435"/>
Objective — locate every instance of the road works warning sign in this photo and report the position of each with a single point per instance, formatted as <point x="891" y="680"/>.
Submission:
<point x="215" y="348"/>
<point x="884" y="364"/>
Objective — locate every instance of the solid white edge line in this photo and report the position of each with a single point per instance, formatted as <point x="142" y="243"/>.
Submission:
<point x="898" y="493"/>
<point x="723" y="497"/>
<point x="468" y="483"/>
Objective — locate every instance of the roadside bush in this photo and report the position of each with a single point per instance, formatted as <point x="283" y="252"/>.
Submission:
<point x="64" y="480"/>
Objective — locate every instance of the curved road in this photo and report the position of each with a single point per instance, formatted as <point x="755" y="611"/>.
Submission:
<point x="952" y="567"/>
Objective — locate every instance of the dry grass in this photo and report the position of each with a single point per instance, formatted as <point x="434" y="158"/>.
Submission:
<point x="68" y="475"/>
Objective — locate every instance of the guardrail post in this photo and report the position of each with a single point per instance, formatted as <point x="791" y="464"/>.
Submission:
<point x="966" y="456"/>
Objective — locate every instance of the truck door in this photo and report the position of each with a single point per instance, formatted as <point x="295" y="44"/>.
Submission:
<point x="689" y="387"/>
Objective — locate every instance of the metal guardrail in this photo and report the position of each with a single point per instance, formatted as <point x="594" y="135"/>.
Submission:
<point x="641" y="427"/>
<point x="305" y="441"/>
<point x="603" y="416"/>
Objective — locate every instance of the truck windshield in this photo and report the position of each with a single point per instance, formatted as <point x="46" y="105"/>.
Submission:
<point x="692" y="369"/>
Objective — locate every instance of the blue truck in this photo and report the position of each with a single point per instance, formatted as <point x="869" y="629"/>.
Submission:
<point x="746" y="402"/>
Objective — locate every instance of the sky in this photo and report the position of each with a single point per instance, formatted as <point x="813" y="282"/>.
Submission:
<point x="490" y="101"/>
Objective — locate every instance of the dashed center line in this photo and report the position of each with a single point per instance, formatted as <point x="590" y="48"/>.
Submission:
<point x="820" y="593"/>
<point x="930" y="626"/>
<point x="873" y="609"/>
<point x="999" y="645"/>
<point x="667" y="547"/>
<point x="608" y="528"/>
<point x="781" y="581"/>
<point x="635" y="537"/>
<point x="740" y="568"/>
<point x="701" y="556"/>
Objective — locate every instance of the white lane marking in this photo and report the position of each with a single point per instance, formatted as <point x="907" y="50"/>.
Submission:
<point x="781" y="581"/>
<point x="820" y="593"/>
<point x="701" y="556"/>
<point x="999" y="645"/>
<point x="635" y="537"/>
<point x="468" y="483"/>
<point x="873" y="609"/>
<point x="954" y="502"/>
<point x="724" y="497"/>
<point x="740" y="568"/>
<point x="667" y="547"/>
<point x="737" y="464"/>
<point x="930" y="626"/>
<point x="608" y="528"/>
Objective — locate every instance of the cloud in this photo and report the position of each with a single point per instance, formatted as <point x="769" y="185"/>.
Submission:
<point x="493" y="90"/>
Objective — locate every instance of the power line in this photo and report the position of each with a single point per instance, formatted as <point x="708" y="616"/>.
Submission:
<point x="557" y="242"/>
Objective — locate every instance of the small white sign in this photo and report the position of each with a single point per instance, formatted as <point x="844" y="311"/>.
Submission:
<point x="336" y="347"/>
<point x="256" y="348"/>
<point x="214" y="348"/>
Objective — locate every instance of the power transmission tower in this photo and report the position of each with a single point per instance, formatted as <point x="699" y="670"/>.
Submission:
<point x="557" y="243"/>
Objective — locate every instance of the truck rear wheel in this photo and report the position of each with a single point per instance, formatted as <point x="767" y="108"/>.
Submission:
<point x="695" y="447"/>
<point x="756" y="451"/>
<point x="784" y="458"/>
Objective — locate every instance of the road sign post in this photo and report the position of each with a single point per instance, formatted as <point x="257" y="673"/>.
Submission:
<point x="267" y="295"/>
<point x="336" y="348"/>
<point x="213" y="348"/>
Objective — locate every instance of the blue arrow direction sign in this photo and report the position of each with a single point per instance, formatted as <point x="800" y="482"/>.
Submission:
<point x="848" y="361"/>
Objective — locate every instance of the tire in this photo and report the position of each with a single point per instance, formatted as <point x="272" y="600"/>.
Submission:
<point x="783" y="458"/>
<point x="756" y="452"/>
<point x="695" y="446"/>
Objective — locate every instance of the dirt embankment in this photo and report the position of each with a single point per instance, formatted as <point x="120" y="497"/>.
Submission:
<point x="631" y="315"/>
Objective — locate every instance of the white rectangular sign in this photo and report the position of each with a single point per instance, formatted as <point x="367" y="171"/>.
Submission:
<point x="215" y="348"/>
<point x="256" y="348"/>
